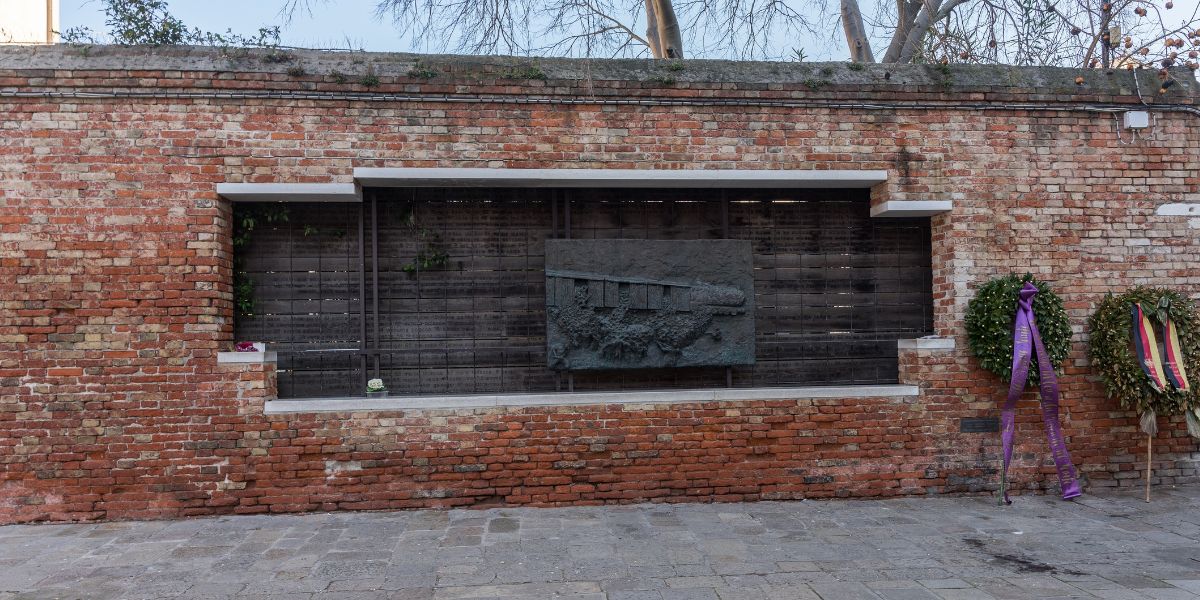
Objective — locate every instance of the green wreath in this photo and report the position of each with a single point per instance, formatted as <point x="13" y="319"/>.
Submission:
<point x="1112" y="354"/>
<point x="991" y="315"/>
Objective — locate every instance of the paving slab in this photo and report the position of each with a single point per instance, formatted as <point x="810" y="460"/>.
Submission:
<point x="1106" y="545"/>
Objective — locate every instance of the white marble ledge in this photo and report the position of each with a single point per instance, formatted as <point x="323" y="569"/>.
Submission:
<point x="290" y="192"/>
<point x="246" y="357"/>
<point x="584" y="398"/>
<point x="618" y="178"/>
<point x="911" y="208"/>
<point x="926" y="343"/>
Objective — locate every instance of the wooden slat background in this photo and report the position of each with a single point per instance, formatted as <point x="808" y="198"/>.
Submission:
<point x="834" y="289"/>
<point x="305" y="274"/>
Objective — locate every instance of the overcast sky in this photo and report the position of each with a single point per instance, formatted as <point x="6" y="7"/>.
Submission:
<point x="352" y="23"/>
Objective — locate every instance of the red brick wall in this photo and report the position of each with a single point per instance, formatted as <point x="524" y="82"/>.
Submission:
<point x="115" y="276"/>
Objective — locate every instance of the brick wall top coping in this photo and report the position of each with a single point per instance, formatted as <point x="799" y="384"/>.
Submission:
<point x="25" y="69"/>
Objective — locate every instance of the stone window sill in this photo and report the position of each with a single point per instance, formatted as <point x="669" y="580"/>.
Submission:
<point x="931" y="342"/>
<point x="246" y="357"/>
<point x="403" y="403"/>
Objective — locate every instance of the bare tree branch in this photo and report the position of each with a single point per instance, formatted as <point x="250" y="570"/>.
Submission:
<point x="916" y="33"/>
<point x="908" y="11"/>
<point x="616" y="23"/>
<point x="1057" y="32"/>
<point x="944" y="11"/>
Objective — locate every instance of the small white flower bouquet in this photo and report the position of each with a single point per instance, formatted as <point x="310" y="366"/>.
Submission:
<point x="376" y="389"/>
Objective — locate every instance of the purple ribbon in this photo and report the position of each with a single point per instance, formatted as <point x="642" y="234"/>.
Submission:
<point x="1026" y="339"/>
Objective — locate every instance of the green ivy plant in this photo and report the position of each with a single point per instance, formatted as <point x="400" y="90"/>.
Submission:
<point x="420" y="71"/>
<point x="991" y="315"/>
<point x="814" y="84"/>
<point x="432" y="253"/>
<point x="247" y="218"/>
<point x="1110" y="331"/>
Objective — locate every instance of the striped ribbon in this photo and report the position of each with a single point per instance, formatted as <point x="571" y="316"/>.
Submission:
<point x="1162" y="371"/>
<point x="1146" y="344"/>
<point x="1173" y="364"/>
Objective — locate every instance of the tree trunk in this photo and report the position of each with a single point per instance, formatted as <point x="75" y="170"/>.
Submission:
<point x="917" y="32"/>
<point x="652" y="30"/>
<point x="932" y="11"/>
<point x="856" y="34"/>
<point x="906" y="13"/>
<point x="669" y="35"/>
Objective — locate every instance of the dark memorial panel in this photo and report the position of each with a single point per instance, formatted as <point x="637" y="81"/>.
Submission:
<point x="644" y="304"/>
<point x="445" y="290"/>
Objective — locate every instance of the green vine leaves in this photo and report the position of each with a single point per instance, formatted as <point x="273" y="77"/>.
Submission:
<point x="431" y="254"/>
<point x="990" y="318"/>
<point x="246" y="218"/>
<point x="1112" y="354"/>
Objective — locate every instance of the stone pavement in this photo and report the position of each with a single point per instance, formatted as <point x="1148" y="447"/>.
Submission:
<point x="1110" y="546"/>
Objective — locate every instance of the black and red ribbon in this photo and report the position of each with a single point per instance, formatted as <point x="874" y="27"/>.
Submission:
<point x="1164" y="368"/>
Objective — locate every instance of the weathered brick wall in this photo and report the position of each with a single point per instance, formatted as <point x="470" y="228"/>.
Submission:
<point x="115" y="272"/>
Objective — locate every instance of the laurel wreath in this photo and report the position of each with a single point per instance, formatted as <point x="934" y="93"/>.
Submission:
<point x="991" y="315"/>
<point x="1112" y="354"/>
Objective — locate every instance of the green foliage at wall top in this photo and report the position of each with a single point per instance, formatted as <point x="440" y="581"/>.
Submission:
<point x="149" y="22"/>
